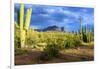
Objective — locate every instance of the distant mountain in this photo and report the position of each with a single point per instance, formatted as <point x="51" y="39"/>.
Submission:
<point x="39" y="30"/>
<point x="62" y="29"/>
<point x="51" y="28"/>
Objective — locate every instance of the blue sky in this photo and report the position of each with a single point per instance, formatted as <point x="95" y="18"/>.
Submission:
<point x="61" y="16"/>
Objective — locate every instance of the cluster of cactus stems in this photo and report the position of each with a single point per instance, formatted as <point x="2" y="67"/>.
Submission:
<point x="84" y="33"/>
<point x="24" y="26"/>
<point x="81" y="28"/>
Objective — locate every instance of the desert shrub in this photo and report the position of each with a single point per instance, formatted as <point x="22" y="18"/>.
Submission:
<point x="69" y="43"/>
<point x="51" y="50"/>
<point x="77" y="41"/>
<point x="16" y="39"/>
<point x="72" y="41"/>
<point x="31" y="39"/>
<point x="17" y="42"/>
<point x="60" y="41"/>
<point x="30" y="42"/>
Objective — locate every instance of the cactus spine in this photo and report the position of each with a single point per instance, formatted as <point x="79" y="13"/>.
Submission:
<point x="24" y="26"/>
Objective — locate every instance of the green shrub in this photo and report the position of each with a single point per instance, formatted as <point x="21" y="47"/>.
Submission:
<point x="51" y="50"/>
<point x="69" y="43"/>
<point x="17" y="42"/>
<point x="72" y="42"/>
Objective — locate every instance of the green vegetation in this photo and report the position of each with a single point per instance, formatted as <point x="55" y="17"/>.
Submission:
<point x="23" y="26"/>
<point x="62" y="39"/>
<point x="51" y="43"/>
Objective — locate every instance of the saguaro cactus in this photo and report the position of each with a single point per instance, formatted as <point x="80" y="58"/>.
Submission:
<point x="24" y="26"/>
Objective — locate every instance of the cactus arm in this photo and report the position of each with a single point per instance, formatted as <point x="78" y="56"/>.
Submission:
<point x="28" y="18"/>
<point x="22" y="32"/>
<point x="21" y="16"/>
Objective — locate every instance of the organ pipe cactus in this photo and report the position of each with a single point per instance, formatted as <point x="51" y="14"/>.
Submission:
<point x="24" y="26"/>
<point x="81" y="28"/>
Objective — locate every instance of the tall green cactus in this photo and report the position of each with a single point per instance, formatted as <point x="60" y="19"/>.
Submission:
<point x="86" y="34"/>
<point x="24" y="26"/>
<point x="80" y="19"/>
<point x="89" y="35"/>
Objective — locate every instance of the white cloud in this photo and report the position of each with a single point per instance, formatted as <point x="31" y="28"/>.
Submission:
<point x="66" y="20"/>
<point x="51" y="10"/>
<point x="66" y="12"/>
<point x="34" y="27"/>
<point x="84" y="10"/>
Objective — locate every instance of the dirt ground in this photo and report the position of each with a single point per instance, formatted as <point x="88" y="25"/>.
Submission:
<point x="68" y="55"/>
